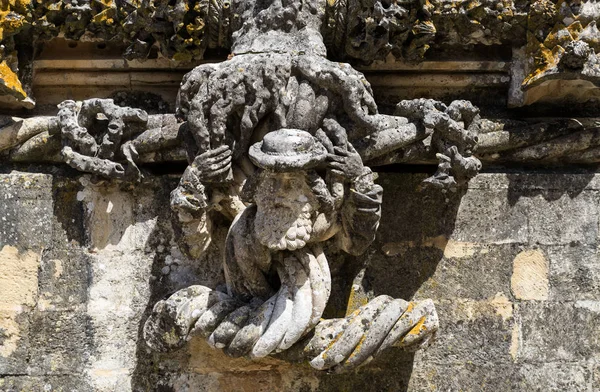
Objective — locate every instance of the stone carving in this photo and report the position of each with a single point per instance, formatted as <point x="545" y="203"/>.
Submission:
<point x="309" y="186"/>
<point x="355" y="30"/>
<point x="570" y="140"/>
<point x="368" y="31"/>
<point x="93" y="136"/>
<point x="293" y="211"/>
<point x="277" y="138"/>
<point x="566" y="42"/>
<point x="278" y="78"/>
<point x="538" y="31"/>
<point x="270" y="137"/>
<point x="453" y="130"/>
<point x="562" y="42"/>
<point x="552" y="142"/>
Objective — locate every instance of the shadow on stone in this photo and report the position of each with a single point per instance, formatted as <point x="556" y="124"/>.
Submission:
<point x="529" y="185"/>
<point x="415" y="226"/>
<point x="156" y="371"/>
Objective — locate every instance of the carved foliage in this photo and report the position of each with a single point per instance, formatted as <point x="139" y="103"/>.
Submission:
<point x="367" y="30"/>
<point x="562" y="38"/>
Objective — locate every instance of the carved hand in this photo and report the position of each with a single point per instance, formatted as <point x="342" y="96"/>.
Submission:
<point x="211" y="165"/>
<point x="346" y="163"/>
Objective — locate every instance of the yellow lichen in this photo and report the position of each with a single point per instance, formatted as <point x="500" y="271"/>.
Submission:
<point x="559" y="35"/>
<point x="575" y="29"/>
<point x="358" y="347"/>
<point x="418" y="328"/>
<point x="10" y="81"/>
<point x="355" y="301"/>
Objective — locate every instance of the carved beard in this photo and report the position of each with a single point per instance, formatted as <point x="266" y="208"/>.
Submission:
<point x="281" y="227"/>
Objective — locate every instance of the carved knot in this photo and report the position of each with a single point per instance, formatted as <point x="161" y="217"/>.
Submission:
<point x="92" y="132"/>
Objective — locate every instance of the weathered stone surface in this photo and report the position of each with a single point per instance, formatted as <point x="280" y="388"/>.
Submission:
<point x="574" y="272"/>
<point x="446" y="269"/>
<point x="503" y="223"/>
<point x="83" y="332"/>
<point x="59" y="383"/>
<point x="460" y="377"/>
<point x="18" y="292"/>
<point x="26" y="210"/>
<point x="548" y="208"/>
<point x="478" y="332"/>
<point x="559" y="331"/>
<point x="529" y="280"/>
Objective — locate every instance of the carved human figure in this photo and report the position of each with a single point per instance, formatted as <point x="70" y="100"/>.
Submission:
<point x="277" y="274"/>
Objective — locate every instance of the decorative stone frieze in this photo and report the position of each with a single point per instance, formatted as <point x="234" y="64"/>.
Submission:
<point x="358" y="31"/>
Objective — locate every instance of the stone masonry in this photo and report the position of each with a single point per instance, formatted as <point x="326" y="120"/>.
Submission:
<point x="511" y="267"/>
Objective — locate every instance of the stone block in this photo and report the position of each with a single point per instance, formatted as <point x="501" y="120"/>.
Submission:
<point x="391" y="372"/>
<point x="18" y="296"/>
<point x="410" y="213"/>
<point x="469" y="377"/>
<point x="478" y="332"/>
<point x="574" y="272"/>
<point x="569" y="376"/>
<point x="26" y="210"/>
<point x="59" y="383"/>
<point x="442" y="269"/>
<point x="464" y="376"/>
<point x="487" y="216"/>
<point x="556" y="218"/>
<point x="63" y="281"/>
<point x="529" y="279"/>
<point x="61" y="342"/>
<point x="552" y="331"/>
<point x="14" y="342"/>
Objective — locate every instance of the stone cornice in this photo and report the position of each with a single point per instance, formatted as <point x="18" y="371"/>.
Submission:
<point x="357" y="31"/>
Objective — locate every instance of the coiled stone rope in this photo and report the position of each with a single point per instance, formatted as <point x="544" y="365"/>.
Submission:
<point x="257" y="328"/>
<point x="260" y="328"/>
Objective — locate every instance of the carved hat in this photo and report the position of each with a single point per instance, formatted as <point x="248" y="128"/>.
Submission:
<point x="287" y="150"/>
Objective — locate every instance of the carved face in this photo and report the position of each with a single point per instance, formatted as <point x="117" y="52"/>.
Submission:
<point x="285" y="209"/>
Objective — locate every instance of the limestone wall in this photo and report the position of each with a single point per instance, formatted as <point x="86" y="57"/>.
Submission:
<point x="512" y="267"/>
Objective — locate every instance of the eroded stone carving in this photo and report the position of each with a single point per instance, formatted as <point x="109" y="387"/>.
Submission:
<point x="561" y="52"/>
<point x="368" y="31"/>
<point x="93" y="137"/>
<point x="279" y="106"/>
<point x="276" y="139"/>
<point x="540" y="33"/>
<point x="293" y="210"/>
<point x="565" y="42"/>
<point x="453" y="139"/>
